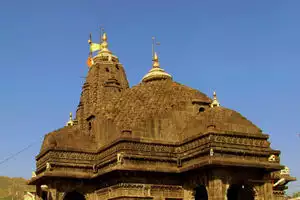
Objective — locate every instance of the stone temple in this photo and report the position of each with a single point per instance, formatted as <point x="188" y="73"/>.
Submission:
<point x="158" y="140"/>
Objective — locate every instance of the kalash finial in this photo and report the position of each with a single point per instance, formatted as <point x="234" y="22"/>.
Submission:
<point x="70" y="122"/>
<point x="156" y="73"/>
<point x="155" y="61"/>
<point x="104" y="37"/>
<point x="104" y="43"/>
<point x="215" y="102"/>
<point x="104" y="47"/>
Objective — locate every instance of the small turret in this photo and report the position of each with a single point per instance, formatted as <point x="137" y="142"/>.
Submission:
<point x="215" y="102"/>
<point x="106" y="79"/>
<point x="70" y="122"/>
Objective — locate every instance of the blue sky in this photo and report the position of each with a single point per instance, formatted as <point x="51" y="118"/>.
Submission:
<point x="248" y="51"/>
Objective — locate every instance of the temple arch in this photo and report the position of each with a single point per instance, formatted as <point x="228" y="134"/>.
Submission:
<point x="201" y="193"/>
<point x="74" y="196"/>
<point x="240" y="192"/>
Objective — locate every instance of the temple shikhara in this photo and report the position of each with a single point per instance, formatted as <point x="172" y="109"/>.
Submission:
<point x="158" y="140"/>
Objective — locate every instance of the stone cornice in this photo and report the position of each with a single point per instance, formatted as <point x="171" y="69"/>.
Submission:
<point x="247" y="151"/>
<point x="157" y="142"/>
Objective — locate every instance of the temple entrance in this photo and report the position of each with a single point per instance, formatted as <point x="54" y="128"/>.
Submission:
<point x="240" y="192"/>
<point x="201" y="193"/>
<point x="74" y="196"/>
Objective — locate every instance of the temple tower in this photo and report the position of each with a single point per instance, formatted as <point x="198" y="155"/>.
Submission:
<point x="105" y="80"/>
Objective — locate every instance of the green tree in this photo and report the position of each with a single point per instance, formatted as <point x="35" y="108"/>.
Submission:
<point x="296" y="194"/>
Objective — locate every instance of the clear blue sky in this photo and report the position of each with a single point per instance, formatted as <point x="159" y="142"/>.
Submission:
<point x="248" y="51"/>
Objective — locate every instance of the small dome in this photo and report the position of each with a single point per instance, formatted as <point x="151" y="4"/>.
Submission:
<point x="156" y="73"/>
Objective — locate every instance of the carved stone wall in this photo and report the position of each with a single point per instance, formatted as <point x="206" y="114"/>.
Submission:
<point x="278" y="195"/>
<point x="160" y="187"/>
<point x="140" y="191"/>
<point x="190" y="153"/>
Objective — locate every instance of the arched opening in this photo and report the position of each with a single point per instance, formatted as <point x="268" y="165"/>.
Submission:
<point x="74" y="196"/>
<point x="240" y="192"/>
<point x="201" y="193"/>
<point x="201" y="109"/>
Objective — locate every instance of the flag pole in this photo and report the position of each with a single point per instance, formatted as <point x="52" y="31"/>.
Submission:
<point x="90" y="51"/>
<point x="90" y="43"/>
<point x="153" y="43"/>
<point x="101" y="33"/>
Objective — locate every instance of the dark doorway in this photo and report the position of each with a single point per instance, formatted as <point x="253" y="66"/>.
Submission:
<point x="240" y="192"/>
<point x="44" y="195"/>
<point x="74" y="196"/>
<point x="201" y="193"/>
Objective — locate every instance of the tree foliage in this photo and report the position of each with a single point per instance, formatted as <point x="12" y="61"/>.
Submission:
<point x="13" y="188"/>
<point x="296" y="194"/>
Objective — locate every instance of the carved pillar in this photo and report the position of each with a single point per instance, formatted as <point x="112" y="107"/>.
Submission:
<point x="268" y="191"/>
<point x="53" y="194"/>
<point x="60" y="196"/>
<point x="259" y="192"/>
<point x="188" y="194"/>
<point x="216" y="189"/>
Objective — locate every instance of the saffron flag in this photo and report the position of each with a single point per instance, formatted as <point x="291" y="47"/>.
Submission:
<point x="89" y="61"/>
<point x="95" y="47"/>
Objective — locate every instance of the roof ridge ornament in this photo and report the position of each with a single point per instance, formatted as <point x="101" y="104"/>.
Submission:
<point x="215" y="102"/>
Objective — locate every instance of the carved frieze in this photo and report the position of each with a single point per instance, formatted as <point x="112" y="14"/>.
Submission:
<point x="163" y="153"/>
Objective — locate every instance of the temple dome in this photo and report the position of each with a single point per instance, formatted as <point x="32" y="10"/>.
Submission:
<point x="159" y="108"/>
<point x="154" y="99"/>
<point x="156" y="73"/>
<point x="172" y="104"/>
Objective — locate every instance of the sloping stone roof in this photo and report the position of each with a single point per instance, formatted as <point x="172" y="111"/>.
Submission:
<point x="152" y="100"/>
<point x="220" y="119"/>
<point x="68" y="138"/>
<point x="163" y="102"/>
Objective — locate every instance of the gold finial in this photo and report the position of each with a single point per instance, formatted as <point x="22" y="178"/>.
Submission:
<point x="70" y="122"/>
<point x="155" y="61"/>
<point x="215" y="102"/>
<point x="104" y="37"/>
<point x="104" y="43"/>
<point x="156" y="73"/>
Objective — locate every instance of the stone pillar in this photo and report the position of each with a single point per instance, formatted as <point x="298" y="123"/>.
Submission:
<point x="268" y="191"/>
<point x="54" y="194"/>
<point x="216" y="189"/>
<point x="188" y="194"/>
<point x="259" y="192"/>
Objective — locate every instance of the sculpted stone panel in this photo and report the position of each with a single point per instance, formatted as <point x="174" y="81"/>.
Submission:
<point x="140" y="191"/>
